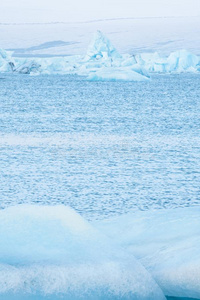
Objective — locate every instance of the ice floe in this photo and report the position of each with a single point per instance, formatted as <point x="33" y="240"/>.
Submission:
<point x="116" y="74"/>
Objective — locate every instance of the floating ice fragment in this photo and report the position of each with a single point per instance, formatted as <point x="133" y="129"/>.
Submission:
<point x="116" y="74"/>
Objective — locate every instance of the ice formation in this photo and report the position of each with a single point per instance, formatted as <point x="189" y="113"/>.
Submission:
<point x="53" y="252"/>
<point x="115" y="74"/>
<point x="103" y="62"/>
<point x="6" y="61"/>
<point x="179" y="61"/>
<point x="28" y="67"/>
<point x="166" y="242"/>
<point x="101" y="48"/>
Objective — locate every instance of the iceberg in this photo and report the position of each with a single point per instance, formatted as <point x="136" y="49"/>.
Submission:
<point x="101" y="48"/>
<point x="153" y="62"/>
<point x="181" y="61"/>
<point x="104" y="63"/>
<point x="28" y="67"/>
<point x="53" y="253"/>
<point x="58" y="65"/>
<point x="166" y="242"/>
<point x="53" y="65"/>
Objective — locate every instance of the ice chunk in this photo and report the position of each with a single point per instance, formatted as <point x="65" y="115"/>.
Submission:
<point x="167" y="243"/>
<point x="6" y="61"/>
<point x="147" y="60"/>
<point x="53" y="65"/>
<point x="4" y="54"/>
<point x="101" y="48"/>
<point x="58" y="65"/>
<point x="140" y="70"/>
<point x="116" y="74"/>
<point x="28" y="67"/>
<point x="53" y="252"/>
<point x="181" y="61"/>
<point x="128" y="60"/>
<point x="153" y="62"/>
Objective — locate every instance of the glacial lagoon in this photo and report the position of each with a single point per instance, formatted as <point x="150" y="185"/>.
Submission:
<point x="104" y="149"/>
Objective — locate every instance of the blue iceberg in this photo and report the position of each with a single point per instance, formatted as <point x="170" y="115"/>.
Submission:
<point x="101" y="48"/>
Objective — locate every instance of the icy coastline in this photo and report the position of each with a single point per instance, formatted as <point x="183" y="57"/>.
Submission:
<point x="103" y="62"/>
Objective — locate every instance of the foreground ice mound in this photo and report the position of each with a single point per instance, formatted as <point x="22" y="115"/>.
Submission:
<point x="167" y="243"/>
<point x="101" y="48"/>
<point x="53" y="253"/>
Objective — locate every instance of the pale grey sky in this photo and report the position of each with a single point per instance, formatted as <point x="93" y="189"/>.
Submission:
<point x="20" y="11"/>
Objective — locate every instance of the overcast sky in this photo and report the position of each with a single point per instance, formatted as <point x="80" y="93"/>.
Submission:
<point x="85" y="10"/>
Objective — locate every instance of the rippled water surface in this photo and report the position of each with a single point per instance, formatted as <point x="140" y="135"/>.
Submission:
<point x="104" y="148"/>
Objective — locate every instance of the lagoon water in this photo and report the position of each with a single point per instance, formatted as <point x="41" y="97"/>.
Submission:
<point x="103" y="148"/>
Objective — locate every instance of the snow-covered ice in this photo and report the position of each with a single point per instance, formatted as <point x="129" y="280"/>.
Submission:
<point x="166" y="242"/>
<point x="53" y="252"/>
